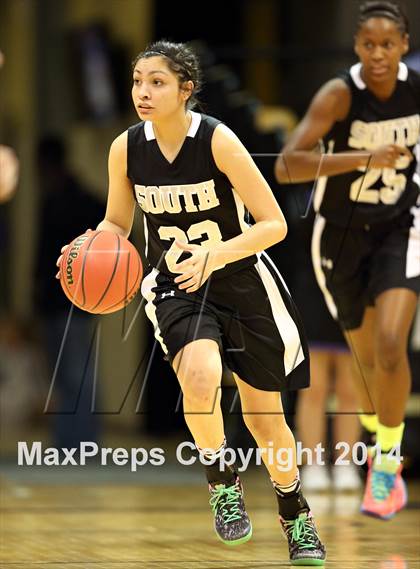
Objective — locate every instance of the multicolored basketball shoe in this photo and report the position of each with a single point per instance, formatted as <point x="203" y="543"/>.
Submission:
<point x="231" y="521"/>
<point x="385" y="492"/>
<point x="305" y="547"/>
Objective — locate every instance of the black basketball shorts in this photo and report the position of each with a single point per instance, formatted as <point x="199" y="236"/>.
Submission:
<point x="355" y="265"/>
<point x="249" y="313"/>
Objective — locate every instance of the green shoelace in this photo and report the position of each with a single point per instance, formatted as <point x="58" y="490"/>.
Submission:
<point x="382" y="483"/>
<point x="302" y="531"/>
<point x="224" y="499"/>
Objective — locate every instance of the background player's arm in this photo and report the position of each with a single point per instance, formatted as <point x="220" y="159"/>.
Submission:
<point x="299" y="161"/>
<point x="120" y="206"/>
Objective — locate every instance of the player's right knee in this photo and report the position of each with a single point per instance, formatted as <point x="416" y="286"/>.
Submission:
<point x="201" y="397"/>
<point x="200" y="385"/>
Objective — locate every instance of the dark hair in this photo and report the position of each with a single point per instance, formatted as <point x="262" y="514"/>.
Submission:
<point x="383" y="9"/>
<point x="181" y="59"/>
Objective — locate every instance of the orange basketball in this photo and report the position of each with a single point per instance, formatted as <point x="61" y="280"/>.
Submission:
<point x="100" y="272"/>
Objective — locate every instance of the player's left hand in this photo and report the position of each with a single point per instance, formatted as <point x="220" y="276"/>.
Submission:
<point x="195" y="270"/>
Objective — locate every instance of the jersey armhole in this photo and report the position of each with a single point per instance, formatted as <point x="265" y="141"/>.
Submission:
<point x="213" y="164"/>
<point x="133" y="134"/>
<point x="127" y="156"/>
<point x="345" y="77"/>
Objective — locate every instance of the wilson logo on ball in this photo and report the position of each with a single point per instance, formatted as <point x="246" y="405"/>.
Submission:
<point x="101" y="272"/>
<point x="74" y="252"/>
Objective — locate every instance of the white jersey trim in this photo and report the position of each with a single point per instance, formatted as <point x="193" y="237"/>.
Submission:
<point x="289" y="333"/>
<point x="416" y="153"/>
<point x="149" y="133"/>
<point x="402" y="72"/>
<point x="412" y="265"/>
<point x="195" y="123"/>
<point x="356" y="74"/>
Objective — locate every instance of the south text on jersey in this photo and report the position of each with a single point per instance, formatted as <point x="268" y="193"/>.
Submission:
<point x="189" y="198"/>
<point x="403" y="131"/>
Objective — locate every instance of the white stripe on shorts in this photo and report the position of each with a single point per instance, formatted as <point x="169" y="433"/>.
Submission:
<point x="266" y="258"/>
<point x="321" y="182"/>
<point x="317" y="263"/>
<point x="146" y="290"/>
<point x="412" y="265"/>
<point x="289" y="333"/>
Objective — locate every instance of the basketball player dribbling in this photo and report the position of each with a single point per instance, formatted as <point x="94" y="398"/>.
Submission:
<point x="366" y="238"/>
<point x="210" y="293"/>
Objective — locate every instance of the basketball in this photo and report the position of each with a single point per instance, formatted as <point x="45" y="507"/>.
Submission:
<point x="100" y="272"/>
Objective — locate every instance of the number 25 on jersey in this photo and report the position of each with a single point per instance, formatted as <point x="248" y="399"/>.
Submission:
<point x="361" y="190"/>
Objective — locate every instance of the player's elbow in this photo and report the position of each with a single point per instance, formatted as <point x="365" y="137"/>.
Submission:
<point x="280" y="170"/>
<point x="278" y="230"/>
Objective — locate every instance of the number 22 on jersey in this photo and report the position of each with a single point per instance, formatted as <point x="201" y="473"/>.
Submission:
<point x="203" y="228"/>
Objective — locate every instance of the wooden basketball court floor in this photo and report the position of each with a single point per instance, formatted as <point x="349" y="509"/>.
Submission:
<point x="105" y="518"/>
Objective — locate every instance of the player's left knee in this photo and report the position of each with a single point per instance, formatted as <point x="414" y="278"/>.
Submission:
<point x="391" y="351"/>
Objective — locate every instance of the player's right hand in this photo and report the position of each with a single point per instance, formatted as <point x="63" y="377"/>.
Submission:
<point x="390" y="156"/>
<point x="60" y="258"/>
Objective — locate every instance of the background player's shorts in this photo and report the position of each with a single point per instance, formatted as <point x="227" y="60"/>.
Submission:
<point x="251" y="316"/>
<point x="353" y="266"/>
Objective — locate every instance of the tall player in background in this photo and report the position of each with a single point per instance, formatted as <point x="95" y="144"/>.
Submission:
<point x="210" y="292"/>
<point x="366" y="239"/>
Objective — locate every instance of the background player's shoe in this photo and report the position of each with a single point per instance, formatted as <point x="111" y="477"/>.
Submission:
<point x="305" y="547"/>
<point x="315" y="478"/>
<point x="231" y="521"/>
<point x="385" y="493"/>
<point x="346" y="478"/>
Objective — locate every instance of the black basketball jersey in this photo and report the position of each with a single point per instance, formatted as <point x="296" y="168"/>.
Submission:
<point x="188" y="199"/>
<point x="373" y="195"/>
